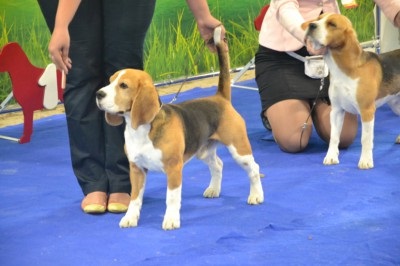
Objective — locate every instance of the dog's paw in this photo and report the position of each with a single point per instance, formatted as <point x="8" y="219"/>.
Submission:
<point x="398" y="139"/>
<point x="365" y="164"/>
<point x="366" y="160"/>
<point x="329" y="160"/>
<point x="129" y="221"/>
<point x="211" y="192"/>
<point x="255" y="198"/>
<point x="171" y="223"/>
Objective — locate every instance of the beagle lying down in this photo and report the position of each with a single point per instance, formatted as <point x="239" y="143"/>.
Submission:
<point x="360" y="81"/>
<point x="163" y="137"/>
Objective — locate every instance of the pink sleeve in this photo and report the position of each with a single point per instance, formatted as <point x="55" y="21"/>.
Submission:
<point x="389" y="7"/>
<point x="290" y="18"/>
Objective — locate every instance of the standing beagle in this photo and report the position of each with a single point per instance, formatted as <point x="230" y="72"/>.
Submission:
<point x="163" y="137"/>
<point x="360" y="81"/>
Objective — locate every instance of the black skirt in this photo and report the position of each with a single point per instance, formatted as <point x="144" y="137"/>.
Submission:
<point x="280" y="76"/>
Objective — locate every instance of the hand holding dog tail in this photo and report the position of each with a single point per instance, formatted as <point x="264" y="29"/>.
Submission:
<point x="224" y="83"/>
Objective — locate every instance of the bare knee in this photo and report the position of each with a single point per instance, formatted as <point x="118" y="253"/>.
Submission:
<point x="293" y="143"/>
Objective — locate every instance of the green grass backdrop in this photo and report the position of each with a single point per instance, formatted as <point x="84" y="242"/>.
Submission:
<point x="173" y="47"/>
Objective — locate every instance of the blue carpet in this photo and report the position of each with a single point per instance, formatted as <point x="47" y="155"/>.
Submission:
<point x="312" y="214"/>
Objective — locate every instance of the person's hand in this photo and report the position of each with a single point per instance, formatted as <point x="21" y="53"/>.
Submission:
<point x="206" y="29"/>
<point x="59" y="49"/>
<point x="313" y="50"/>
<point x="397" y="20"/>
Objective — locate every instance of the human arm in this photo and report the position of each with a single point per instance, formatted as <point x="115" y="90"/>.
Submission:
<point x="206" y="23"/>
<point x="391" y="9"/>
<point x="60" y="40"/>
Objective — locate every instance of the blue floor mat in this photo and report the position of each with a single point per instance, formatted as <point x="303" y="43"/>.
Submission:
<point x="312" y="214"/>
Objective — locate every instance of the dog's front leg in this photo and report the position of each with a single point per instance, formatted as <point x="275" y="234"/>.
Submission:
<point x="138" y="183"/>
<point x="336" y="119"/>
<point x="367" y="143"/>
<point x="174" y="196"/>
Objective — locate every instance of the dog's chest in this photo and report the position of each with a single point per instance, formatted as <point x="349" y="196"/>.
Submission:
<point x="140" y="149"/>
<point x="343" y="90"/>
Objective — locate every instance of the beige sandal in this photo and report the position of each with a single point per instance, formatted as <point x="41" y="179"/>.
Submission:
<point x="94" y="202"/>
<point x="118" y="202"/>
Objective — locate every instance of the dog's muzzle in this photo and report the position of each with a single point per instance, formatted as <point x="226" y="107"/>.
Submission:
<point x="100" y="95"/>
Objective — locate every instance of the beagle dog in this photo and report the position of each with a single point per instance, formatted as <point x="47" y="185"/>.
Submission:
<point x="360" y="81"/>
<point x="163" y="137"/>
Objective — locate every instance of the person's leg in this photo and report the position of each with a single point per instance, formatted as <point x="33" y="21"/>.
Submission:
<point x="291" y="124"/>
<point x="321" y="120"/>
<point x="125" y="27"/>
<point x="84" y="119"/>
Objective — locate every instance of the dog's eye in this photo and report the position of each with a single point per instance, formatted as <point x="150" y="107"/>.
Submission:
<point x="331" y="24"/>
<point x="123" y="85"/>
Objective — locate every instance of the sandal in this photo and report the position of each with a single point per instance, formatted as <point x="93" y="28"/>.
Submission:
<point x="94" y="202"/>
<point x="118" y="202"/>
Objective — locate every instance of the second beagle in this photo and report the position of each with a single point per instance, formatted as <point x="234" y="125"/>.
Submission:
<point x="360" y="81"/>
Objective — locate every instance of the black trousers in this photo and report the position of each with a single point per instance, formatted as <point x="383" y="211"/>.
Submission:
<point x="106" y="36"/>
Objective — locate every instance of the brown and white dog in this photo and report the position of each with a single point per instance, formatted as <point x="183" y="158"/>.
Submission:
<point x="360" y="81"/>
<point x="163" y="137"/>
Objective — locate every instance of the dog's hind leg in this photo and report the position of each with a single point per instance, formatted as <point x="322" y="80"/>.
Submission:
<point x="241" y="153"/>
<point x="395" y="106"/>
<point x="208" y="155"/>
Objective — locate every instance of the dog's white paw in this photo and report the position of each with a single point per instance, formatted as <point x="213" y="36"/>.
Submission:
<point x="129" y="221"/>
<point x="211" y="192"/>
<point x="255" y="198"/>
<point x="331" y="159"/>
<point x="366" y="160"/>
<point x="398" y="139"/>
<point x="171" y="223"/>
<point x="366" y="164"/>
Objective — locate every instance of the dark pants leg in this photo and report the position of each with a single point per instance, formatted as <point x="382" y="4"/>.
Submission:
<point x="125" y="26"/>
<point x="97" y="153"/>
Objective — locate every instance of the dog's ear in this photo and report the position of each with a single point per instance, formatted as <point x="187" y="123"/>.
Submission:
<point x="305" y="24"/>
<point x="113" y="120"/>
<point x="146" y="104"/>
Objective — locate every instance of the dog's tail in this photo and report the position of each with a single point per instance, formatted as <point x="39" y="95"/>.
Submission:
<point x="224" y="83"/>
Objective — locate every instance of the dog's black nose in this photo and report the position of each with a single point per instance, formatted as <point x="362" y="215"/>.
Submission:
<point x="312" y="26"/>
<point x="100" y="94"/>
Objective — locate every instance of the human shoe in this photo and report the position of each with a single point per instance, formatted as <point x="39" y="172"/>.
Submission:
<point x="94" y="202"/>
<point x="118" y="202"/>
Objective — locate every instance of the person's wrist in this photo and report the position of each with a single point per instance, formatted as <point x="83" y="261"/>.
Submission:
<point x="397" y="20"/>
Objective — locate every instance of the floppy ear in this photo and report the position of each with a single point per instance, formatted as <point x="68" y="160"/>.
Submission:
<point x="146" y="105"/>
<point x="305" y="24"/>
<point x="113" y="120"/>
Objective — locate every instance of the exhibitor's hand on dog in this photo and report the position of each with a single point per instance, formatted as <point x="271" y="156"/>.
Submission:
<point x="59" y="49"/>
<point x="206" y="30"/>
<point x="311" y="48"/>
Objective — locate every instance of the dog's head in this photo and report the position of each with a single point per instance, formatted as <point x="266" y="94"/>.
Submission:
<point x="329" y="30"/>
<point x="130" y="93"/>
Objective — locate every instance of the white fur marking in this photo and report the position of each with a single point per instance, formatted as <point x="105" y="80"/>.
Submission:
<point x="108" y="102"/>
<point x="247" y="162"/>
<point x="140" y="148"/>
<point x="172" y="218"/>
<point x="131" y="217"/>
